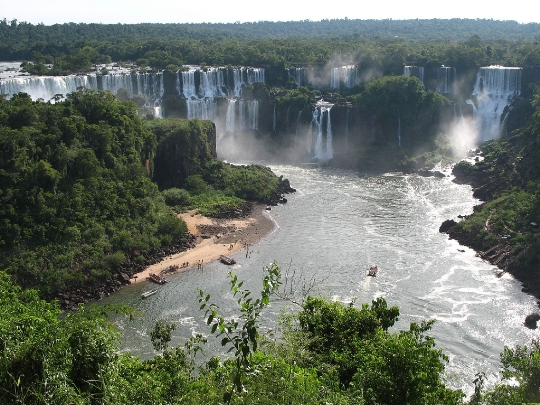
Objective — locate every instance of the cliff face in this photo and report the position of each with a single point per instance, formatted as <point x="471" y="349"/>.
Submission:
<point x="184" y="148"/>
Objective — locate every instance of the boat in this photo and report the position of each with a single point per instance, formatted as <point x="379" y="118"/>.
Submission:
<point x="227" y="260"/>
<point x="157" y="279"/>
<point x="373" y="270"/>
<point x="148" y="293"/>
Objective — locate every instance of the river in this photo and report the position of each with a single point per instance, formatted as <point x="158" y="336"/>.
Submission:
<point x="332" y="230"/>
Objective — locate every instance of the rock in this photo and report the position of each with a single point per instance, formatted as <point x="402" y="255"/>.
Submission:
<point x="438" y="174"/>
<point x="531" y="320"/>
<point x="446" y="225"/>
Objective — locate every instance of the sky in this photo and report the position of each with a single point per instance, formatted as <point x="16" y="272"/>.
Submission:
<point x="51" y="12"/>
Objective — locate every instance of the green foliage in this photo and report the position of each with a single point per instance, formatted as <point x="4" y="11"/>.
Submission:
<point x="161" y="334"/>
<point x="520" y="377"/>
<point x="176" y="197"/>
<point x="382" y="367"/>
<point x="507" y="179"/>
<point x="402" y="103"/>
<point x="47" y="358"/>
<point x="243" y="339"/>
<point x="296" y="97"/>
<point x="76" y="197"/>
<point x="373" y="43"/>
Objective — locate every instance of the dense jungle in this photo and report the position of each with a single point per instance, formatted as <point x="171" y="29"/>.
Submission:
<point x="91" y="183"/>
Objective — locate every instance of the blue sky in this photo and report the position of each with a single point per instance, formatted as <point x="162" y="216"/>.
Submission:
<point x="182" y="11"/>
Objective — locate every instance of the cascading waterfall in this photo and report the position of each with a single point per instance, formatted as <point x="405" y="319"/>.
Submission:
<point x="241" y="115"/>
<point x="416" y="71"/>
<point x="302" y="76"/>
<point x="446" y="77"/>
<point x="151" y="86"/>
<point x="248" y="114"/>
<point x="187" y="80"/>
<point x="470" y="102"/>
<point x="212" y="83"/>
<point x="495" y="88"/>
<point x="297" y="127"/>
<point x="230" y="119"/>
<point x="203" y="109"/>
<point x="243" y="76"/>
<point x="44" y="87"/>
<point x="253" y="114"/>
<point x="346" y="76"/>
<point x="323" y="141"/>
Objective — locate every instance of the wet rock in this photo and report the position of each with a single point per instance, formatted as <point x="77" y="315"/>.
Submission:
<point x="446" y="225"/>
<point x="531" y="320"/>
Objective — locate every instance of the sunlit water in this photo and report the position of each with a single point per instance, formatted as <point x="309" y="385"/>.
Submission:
<point x="333" y="229"/>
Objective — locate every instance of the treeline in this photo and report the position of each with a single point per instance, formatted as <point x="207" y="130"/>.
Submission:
<point x="456" y="29"/>
<point x="328" y="352"/>
<point x="80" y="202"/>
<point x="76" y="47"/>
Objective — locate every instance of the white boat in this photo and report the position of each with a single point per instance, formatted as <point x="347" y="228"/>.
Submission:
<point x="148" y="293"/>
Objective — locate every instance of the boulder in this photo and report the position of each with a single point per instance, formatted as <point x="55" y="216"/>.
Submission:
<point x="446" y="225"/>
<point x="531" y="320"/>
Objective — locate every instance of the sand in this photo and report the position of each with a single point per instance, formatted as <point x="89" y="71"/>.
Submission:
<point x="214" y="237"/>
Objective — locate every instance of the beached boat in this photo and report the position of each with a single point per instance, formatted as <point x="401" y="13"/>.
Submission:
<point x="227" y="260"/>
<point x="373" y="270"/>
<point x="157" y="279"/>
<point x="148" y="293"/>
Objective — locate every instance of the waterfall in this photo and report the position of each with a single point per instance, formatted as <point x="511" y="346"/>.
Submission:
<point x="344" y="75"/>
<point x="495" y="88"/>
<point x="243" y="76"/>
<point x="43" y="87"/>
<point x="150" y="86"/>
<point x="212" y="83"/>
<point x="302" y="76"/>
<point x="230" y="121"/>
<point x="321" y="115"/>
<point x="329" y="147"/>
<point x="446" y="77"/>
<point x="253" y="114"/>
<point x="416" y="71"/>
<point x="188" y="84"/>
<point x="470" y="102"/>
<point x="297" y="127"/>
<point x="203" y="109"/>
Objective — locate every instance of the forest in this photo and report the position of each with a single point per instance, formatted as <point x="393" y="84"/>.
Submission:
<point x="90" y="188"/>
<point x="83" y="199"/>
<point x="379" y="44"/>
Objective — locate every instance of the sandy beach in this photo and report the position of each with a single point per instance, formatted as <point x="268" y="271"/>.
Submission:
<point x="214" y="237"/>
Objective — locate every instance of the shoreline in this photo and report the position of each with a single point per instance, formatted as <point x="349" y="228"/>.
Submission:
<point x="213" y="237"/>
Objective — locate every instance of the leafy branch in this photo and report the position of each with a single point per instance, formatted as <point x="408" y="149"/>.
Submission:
<point x="241" y="335"/>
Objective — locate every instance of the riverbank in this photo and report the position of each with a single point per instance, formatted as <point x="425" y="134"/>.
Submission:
<point x="213" y="238"/>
